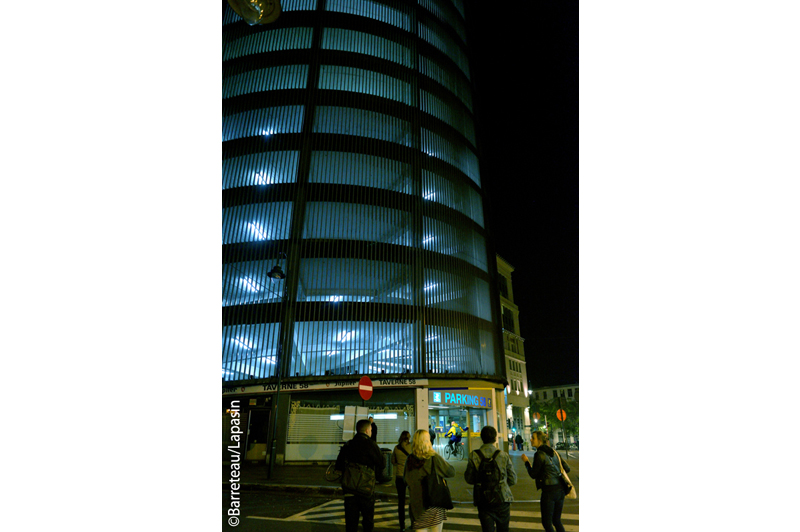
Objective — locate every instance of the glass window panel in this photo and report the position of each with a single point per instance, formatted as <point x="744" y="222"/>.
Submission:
<point x="268" y="41"/>
<point x="256" y="222"/>
<point x="447" y="78"/>
<point x="364" y="43"/>
<point x="342" y="168"/>
<point x="444" y="15"/>
<point x="454" y="194"/>
<point x="458" y="155"/>
<point x="459" y="350"/>
<point x="460" y="6"/>
<point x="373" y="10"/>
<point x="435" y="35"/>
<point x="457" y="242"/>
<point x="350" y="221"/>
<point x="456" y="118"/>
<point x="335" y="77"/>
<point x="458" y="292"/>
<point x="350" y="347"/>
<point x="361" y="123"/>
<point x="247" y="282"/>
<point x="265" y="79"/>
<point x="248" y="351"/>
<point x="267" y="121"/>
<point x="365" y="281"/>
<point x="298" y="5"/>
<point x="260" y="169"/>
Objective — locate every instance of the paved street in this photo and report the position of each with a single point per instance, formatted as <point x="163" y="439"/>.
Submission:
<point x="463" y="518"/>
<point x="272" y="508"/>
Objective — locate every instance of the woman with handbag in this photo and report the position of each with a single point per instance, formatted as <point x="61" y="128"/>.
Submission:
<point x="549" y="471"/>
<point x="423" y="469"/>
<point x="399" y="456"/>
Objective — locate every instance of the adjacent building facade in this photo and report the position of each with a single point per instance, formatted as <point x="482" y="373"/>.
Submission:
<point x="517" y="405"/>
<point x="354" y="237"/>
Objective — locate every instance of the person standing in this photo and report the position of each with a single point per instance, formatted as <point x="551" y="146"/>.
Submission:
<point x="374" y="430"/>
<point x="491" y="471"/>
<point x="418" y="466"/>
<point x="433" y="435"/>
<point x="360" y="450"/>
<point x="545" y="469"/>
<point x="518" y="440"/>
<point x="399" y="456"/>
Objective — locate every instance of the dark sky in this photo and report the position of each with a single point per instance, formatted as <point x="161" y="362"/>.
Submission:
<point x="526" y="76"/>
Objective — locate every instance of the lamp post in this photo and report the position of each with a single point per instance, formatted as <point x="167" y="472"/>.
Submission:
<point x="277" y="273"/>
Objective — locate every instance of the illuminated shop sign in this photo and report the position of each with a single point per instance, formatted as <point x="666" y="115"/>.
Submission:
<point x="480" y="399"/>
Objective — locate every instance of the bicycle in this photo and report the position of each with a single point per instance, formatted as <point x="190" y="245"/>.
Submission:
<point x="331" y="474"/>
<point x="457" y="451"/>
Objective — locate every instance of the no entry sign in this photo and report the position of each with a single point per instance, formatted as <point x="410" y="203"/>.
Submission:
<point x="365" y="387"/>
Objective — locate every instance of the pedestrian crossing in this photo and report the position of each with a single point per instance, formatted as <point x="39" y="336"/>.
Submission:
<point x="462" y="518"/>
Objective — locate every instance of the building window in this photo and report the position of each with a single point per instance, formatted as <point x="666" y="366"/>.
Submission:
<point x="502" y="284"/>
<point x="544" y="395"/>
<point x="536" y="396"/>
<point x="508" y="320"/>
<point x="569" y="392"/>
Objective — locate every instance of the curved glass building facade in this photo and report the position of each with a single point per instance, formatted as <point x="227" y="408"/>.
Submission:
<point x="350" y="161"/>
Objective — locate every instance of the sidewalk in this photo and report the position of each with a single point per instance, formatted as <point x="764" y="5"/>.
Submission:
<point x="310" y="480"/>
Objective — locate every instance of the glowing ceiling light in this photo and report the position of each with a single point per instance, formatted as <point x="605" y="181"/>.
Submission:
<point x="335" y="417"/>
<point x="258" y="230"/>
<point x="427" y="239"/>
<point x="429" y="196"/>
<point x="267" y="132"/>
<point x="385" y="416"/>
<point x="249" y="283"/>
<point x="331" y="353"/>
<point x="242" y="342"/>
<point x="268" y="360"/>
<point x="344" y="336"/>
<point x="430" y="286"/>
<point x="263" y="179"/>
<point x="334" y="299"/>
<point x="431" y="338"/>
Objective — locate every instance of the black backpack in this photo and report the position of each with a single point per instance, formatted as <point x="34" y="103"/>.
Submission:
<point x="488" y="485"/>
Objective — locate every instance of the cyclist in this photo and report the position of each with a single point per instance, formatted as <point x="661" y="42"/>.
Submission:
<point x="455" y="436"/>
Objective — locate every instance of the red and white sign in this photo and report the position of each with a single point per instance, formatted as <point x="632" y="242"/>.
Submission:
<point x="365" y="387"/>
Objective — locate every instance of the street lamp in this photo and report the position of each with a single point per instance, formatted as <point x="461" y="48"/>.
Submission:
<point x="277" y="273"/>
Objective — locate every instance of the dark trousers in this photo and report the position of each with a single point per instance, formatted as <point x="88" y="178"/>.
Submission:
<point x="400" y="484"/>
<point x="552" y="503"/>
<point x="499" y="515"/>
<point x="355" y="506"/>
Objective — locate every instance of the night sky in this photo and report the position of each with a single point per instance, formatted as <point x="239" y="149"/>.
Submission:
<point x="526" y="76"/>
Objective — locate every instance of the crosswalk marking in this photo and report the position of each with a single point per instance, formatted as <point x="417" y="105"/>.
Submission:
<point x="332" y="512"/>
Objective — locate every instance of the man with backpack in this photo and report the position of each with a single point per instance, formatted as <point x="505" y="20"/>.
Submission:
<point x="491" y="472"/>
<point x="361" y="461"/>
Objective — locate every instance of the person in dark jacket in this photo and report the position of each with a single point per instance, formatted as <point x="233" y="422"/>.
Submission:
<point x="545" y="469"/>
<point x="518" y="441"/>
<point x="399" y="456"/>
<point x="374" y="430"/>
<point x="360" y="450"/>
<point x="433" y="435"/>
<point x="492" y="515"/>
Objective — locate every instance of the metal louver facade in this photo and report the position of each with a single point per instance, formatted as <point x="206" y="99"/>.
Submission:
<point x="350" y="160"/>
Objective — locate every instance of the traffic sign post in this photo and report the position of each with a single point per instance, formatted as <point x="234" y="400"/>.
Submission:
<point x="562" y="415"/>
<point x="365" y="388"/>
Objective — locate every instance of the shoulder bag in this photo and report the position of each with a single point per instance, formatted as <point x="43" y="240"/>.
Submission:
<point x="435" y="491"/>
<point x="569" y="490"/>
